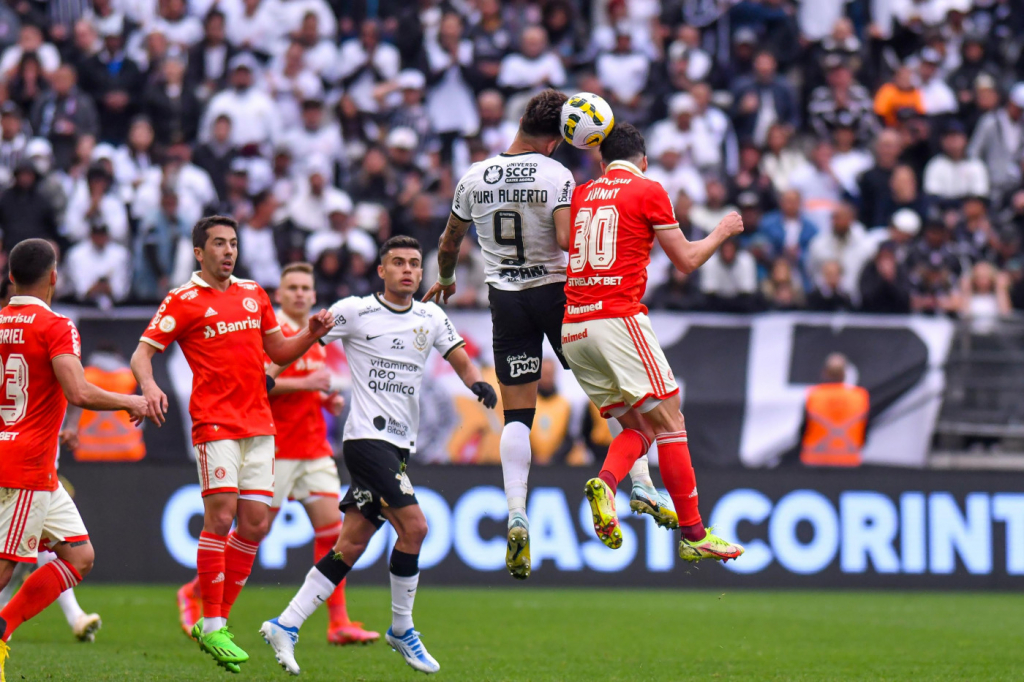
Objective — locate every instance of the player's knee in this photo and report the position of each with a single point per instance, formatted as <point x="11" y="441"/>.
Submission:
<point x="415" y="532"/>
<point x="254" y="530"/>
<point x="82" y="559"/>
<point x="218" y="521"/>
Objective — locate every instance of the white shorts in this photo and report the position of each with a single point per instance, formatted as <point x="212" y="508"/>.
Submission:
<point x="618" y="363"/>
<point x="244" y="466"/>
<point x="300" y="479"/>
<point x="31" y="520"/>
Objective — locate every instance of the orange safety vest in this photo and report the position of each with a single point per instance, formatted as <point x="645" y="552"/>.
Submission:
<point x="109" y="436"/>
<point x="837" y="418"/>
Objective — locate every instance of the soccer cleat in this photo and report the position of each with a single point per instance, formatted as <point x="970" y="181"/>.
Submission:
<point x="350" y="633"/>
<point x="647" y="501"/>
<point x="282" y="640"/>
<point x="711" y="547"/>
<point x="197" y="635"/>
<point x="86" y="626"/>
<point x="412" y="649"/>
<point x="5" y="651"/>
<point x="602" y="507"/>
<point x="190" y="607"/>
<point x="517" y="551"/>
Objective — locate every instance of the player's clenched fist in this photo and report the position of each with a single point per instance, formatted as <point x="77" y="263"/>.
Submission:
<point x="731" y="224"/>
<point x="156" y="403"/>
<point x="138" y="409"/>
<point x="321" y="323"/>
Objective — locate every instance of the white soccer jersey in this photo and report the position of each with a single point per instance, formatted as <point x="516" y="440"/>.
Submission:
<point x="387" y="352"/>
<point x="511" y="198"/>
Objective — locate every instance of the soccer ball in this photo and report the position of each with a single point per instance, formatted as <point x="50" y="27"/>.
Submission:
<point x="586" y="120"/>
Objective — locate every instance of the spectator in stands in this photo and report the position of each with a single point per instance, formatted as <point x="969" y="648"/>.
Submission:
<point x="28" y="83"/>
<point x="216" y="155"/>
<point x="845" y="242"/>
<point x="829" y="295"/>
<point x="898" y="95"/>
<point x="781" y="160"/>
<point x="99" y="269"/>
<point x="783" y="289"/>
<point x="705" y="217"/>
<point x="729" y="279"/>
<point x="112" y="78"/>
<point x="179" y="27"/>
<point x="884" y="284"/>
<point x="934" y="271"/>
<point x="470" y="269"/>
<point x="496" y="131"/>
<point x="678" y="132"/>
<point x="52" y="182"/>
<point x="711" y="124"/>
<point x="985" y="297"/>
<point x="680" y="292"/>
<point x="762" y="100"/>
<point x="818" y="186"/>
<point x="315" y="135"/>
<point x="903" y="193"/>
<point x="533" y="67"/>
<point x="675" y="175"/>
<point x="997" y="142"/>
<point x="135" y="158"/>
<point x="13" y="139"/>
<point x="319" y="54"/>
<point x="848" y="160"/>
<point x="951" y="176"/>
<point x="841" y="99"/>
<point x="157" y="245"/>
<point x="789" y="232"/>
<point x="975" y="238"/>
<point x="63" y="114"/>
<point x="364" y="63"/>
<point x="874" y="183"/>
<point x="412" y="112"/>
<point x="308" y="209"/>
<point x="208" y="58"/>
<point x="451" y="104"/>
<point x="171" y="103"/>
<point x="96" y="203"/>
<point x="257" y="251"/>
<point x="24" y="211"/>
<point x="254" y="118"/>
<point x="974" y="63"/>
<point x="492" y="40"/>
<point x="936" y="96"/>
<point x="30" y="41"/>
<point x="624" y="72"/>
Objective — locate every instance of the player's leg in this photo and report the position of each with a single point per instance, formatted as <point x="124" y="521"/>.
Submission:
<point x="518" y="345"/>
<point x="644" y="498"/>
<point x="83" y="625"/>
<point x="282" y="632"/>
<point x="411" y="526"/>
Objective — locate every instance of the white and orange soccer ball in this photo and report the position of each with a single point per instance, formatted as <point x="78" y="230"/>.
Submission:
<point x="586" y="120"/>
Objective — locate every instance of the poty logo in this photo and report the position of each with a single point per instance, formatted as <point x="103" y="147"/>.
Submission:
<point x="518" y="365"/>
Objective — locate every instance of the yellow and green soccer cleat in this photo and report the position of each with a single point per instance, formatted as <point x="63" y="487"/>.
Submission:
<point x="644" y="501"/>
<point x="5" y="651"/>
<point x="710" y="547"/>
<point x="602" y="507"/>
<point x="220" y="646"/>
<point x="517" y="551"/>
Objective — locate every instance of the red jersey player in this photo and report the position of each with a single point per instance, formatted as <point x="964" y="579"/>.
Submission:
<point x="40" y="373"/>
<point x="224" y="325"/>
<point x="608" y="340"/>
<point x="304" y="467"/>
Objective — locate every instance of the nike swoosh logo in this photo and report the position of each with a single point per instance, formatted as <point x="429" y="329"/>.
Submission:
<point x="371" y="338"/>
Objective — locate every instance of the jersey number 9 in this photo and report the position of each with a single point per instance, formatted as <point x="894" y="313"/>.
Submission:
<point x="504" y="221"/>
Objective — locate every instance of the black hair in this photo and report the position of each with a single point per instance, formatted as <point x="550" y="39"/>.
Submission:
<point x="624" y="143"/>
<point x="399" y="242"/>
<point x="31" y="260"/>
<point x="200" y="231"/>
<point x="543" y="116"/>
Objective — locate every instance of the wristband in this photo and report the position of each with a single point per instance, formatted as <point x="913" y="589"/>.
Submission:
<point x="446" y="281"/>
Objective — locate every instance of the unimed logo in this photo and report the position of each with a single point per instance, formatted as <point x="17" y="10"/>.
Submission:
<point x="803" y="531"/>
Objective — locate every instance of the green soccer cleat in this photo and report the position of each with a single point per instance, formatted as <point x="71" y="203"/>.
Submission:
<point x="710" y="547"/>
<point x="517" y="551"/>
<point x="220" y="646"/>
<point x="647" y="501"/>
<point x="602" y="506"/>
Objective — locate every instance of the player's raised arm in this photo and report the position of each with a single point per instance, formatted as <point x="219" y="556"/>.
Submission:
<point x="447" y="258"/>
<point x="687" y="255"/>
<point x="142" y="368"/>
<point x="81" y="393"/>
<point x="286" y="350"/>
<point x="471" y="377"/>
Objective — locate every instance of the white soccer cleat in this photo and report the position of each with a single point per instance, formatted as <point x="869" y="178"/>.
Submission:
<point x="412" y="649"/>
<point x="282" y="640"/>
<point x="86" y="626"/>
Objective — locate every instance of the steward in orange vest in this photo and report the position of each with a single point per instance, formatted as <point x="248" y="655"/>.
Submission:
<point x="109" y="436"/>
<point x="836" y="419"/>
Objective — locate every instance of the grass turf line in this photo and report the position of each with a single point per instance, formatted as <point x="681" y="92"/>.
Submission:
<point x="525" y="633"/>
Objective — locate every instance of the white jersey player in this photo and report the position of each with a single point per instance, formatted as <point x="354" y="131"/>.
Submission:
<point x="387" y="339"/>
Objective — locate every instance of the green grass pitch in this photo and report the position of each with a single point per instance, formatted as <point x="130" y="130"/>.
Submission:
<point x="525" y="633"/>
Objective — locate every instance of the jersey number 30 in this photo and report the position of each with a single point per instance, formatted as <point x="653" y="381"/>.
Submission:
<point x="15" y="381"/>
<point x="596" y="232"/>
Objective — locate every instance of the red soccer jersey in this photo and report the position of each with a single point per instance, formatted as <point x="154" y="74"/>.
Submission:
<point x="221" y="334"/>
<point x="613" y="224"/>
<point x="301" y="429"/>
<point x="32" y="403"/>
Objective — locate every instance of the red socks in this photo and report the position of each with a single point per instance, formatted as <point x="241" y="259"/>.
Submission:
<point x="625" y="450"/>
<point x="324" y="540"/>
<point x="39" y="591"/>
<point x="210" y="567"/>
<point x="238" y="558"/>
<point x="677" y="473"/>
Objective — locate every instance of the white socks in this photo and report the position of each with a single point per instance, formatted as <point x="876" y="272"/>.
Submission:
<point x="640" y="474"/>
<point x="403" y="594"/>
<point x="314" y="592"/>
<point x="213" y="624"/>
<point x="515" y="465"/>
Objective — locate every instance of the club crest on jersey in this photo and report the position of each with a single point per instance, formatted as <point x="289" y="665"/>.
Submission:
<point x="219" y="473"/>
<point x="420" y="341"/>
<point x="31" y="543"/>
<point x="518" y="365"/>
<point x="251" y="305"/>
<point x="493" y="174"/>
<point x="404" y="484"/>
<point x="167" y="324"/>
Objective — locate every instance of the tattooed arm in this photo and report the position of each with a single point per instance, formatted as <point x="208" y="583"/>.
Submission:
<point x="447" y="259"/>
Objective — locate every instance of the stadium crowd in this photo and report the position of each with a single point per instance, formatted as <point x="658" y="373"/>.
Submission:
<point x="874" y="147"/>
